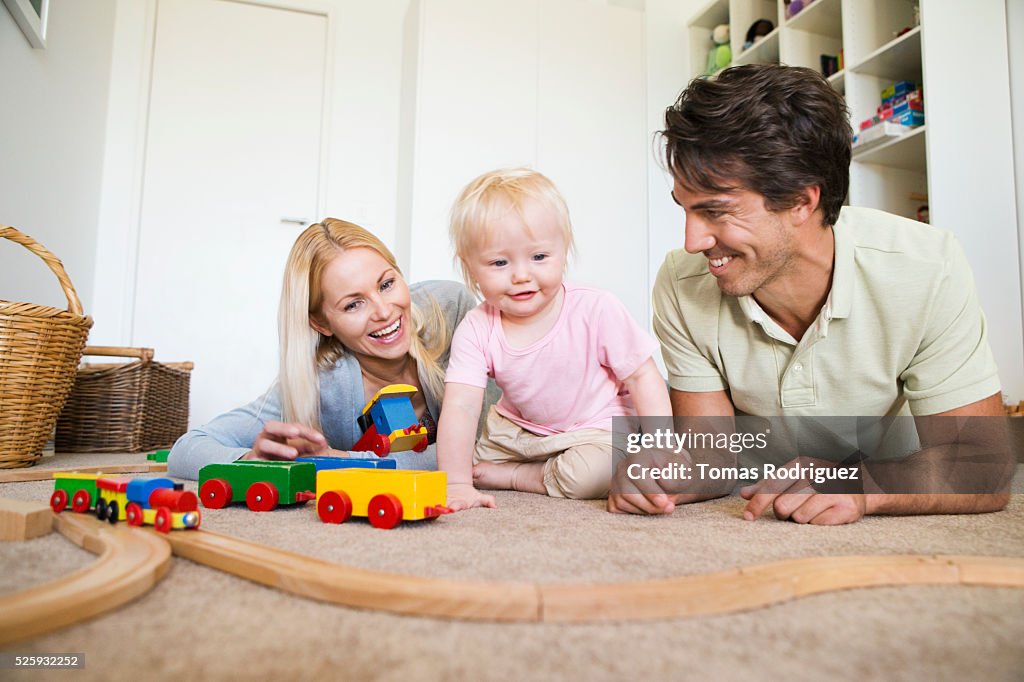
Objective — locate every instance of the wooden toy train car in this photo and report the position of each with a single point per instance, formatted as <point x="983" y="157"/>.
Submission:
<point x="264" y="484"/>
<point x="261" y="484"/>
<point x="386" y="498"/>
<point x="157" y="501"/>
<point x="390" y="424"/>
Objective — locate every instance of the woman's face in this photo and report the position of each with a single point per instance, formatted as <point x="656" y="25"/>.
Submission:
<point x="365" y="305"/>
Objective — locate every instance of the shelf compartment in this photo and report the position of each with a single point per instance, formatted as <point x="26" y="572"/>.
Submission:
<point x="896" y="60"/>
<point x="823" y="17"/>
<point x="714" y="13"/>
<point x="764" y="51"/>
<point x="906" y="152"/>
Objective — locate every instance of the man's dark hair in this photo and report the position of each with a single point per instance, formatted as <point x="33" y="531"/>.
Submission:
<point x="775" y="130"/>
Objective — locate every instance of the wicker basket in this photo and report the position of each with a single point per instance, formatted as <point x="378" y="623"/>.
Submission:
<point x="40" y="348"/>
<point x="125" y="407"/>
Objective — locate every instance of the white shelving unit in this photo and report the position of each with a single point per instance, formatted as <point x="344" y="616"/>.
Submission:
<point x="962" y="159"/>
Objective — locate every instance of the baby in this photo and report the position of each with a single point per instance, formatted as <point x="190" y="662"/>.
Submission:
<point x="568" y="358"/>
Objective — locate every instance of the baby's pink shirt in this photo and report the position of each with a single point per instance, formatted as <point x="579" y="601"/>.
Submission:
<point x="569" y="379"/>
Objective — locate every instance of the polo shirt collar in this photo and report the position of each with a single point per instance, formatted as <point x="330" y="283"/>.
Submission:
<point x="840" y="296"/>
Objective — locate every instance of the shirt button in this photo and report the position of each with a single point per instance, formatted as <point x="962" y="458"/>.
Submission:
<point x="798" y="367"/>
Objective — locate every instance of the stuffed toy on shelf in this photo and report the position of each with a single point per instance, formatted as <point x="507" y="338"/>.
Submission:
<point x="720" y="55"/>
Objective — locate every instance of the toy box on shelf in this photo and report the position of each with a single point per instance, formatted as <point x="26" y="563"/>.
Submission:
<point x="900" y="112"/>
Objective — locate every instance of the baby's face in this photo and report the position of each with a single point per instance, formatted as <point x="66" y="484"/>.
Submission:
<point x="520" y="263"/>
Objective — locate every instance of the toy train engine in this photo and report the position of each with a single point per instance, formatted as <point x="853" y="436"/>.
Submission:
<point x="390" y="424"/>
<point x="162" y="503"/>
<point x="155" y="501"/>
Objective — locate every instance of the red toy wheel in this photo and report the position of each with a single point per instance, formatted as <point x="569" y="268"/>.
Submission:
<point x="421" y="446"/>
<point x="81" y="501"/>
<point x="381" y="446"/>
<point x="133" y="514"/>
<point x="261" y="497"/>
<point x="163" y="520"/>
<point x="385" y="511"/>
<point x="59" y="501"/>
<point x="215" y="493"/>
<point x="334" y="506"/>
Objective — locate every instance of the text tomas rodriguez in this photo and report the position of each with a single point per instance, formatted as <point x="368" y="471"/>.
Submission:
<point x="677" y="471"/>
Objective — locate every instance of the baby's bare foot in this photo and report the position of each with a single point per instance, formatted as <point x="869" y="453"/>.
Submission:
<point x="491" y="476"/>
<point x="522" y="476"/>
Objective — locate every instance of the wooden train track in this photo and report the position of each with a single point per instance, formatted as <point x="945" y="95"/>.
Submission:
<point x="130" y="563"/>
<point x="133" y="560"/>
<point x="23" y="475"/>
<point x="723" y="592"/>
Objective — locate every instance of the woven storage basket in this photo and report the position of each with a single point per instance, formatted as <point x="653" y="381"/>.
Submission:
<point x="40" y="348"/>
<point x="126" y="407"/>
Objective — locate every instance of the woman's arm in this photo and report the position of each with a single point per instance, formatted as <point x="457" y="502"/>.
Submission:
<point x="224" y="439"/>
<point x="253" y="431"/>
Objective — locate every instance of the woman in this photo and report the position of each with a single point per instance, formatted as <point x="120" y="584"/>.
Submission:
<point x="349" y="325"/>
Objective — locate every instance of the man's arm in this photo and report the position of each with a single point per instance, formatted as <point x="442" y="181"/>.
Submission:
<point x="952" y="450"/>
<point x="944" y="440"/>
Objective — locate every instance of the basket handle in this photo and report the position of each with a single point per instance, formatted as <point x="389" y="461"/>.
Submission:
<point x="52" y="262"/>
<point x="144" y="354"/>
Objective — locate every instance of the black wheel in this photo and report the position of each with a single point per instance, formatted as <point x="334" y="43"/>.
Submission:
<point x="113" y="511"/>
<point x="101" y="509"/>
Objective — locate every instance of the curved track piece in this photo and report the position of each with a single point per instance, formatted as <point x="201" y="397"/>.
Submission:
<point x="713" y="593"/>
<point x="763" y="585"/>
<point x="130" y="563"/>
<point x="37" y="474"/>
<point x="350" y="586"/>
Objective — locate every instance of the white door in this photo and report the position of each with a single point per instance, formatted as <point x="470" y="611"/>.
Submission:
<point x="232" y="152"/>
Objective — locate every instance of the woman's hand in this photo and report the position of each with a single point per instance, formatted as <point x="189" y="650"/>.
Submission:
<point x="465" y="496"/>
<point x="280" y="440"/>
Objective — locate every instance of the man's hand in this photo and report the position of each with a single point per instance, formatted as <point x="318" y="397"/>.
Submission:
<point x="465" y="496"/>
<point x="796" y="500"/>
<point x="281" y="440"/>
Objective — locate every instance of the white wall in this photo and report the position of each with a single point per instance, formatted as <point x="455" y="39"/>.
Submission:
<point x="52" y="123"/>
<point x="556" y="85"/>
<point x="668" y="55"/>
<point x="1015" y="46"/>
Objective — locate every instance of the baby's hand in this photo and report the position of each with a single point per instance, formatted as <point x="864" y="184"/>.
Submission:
<point x="465" y="496"/>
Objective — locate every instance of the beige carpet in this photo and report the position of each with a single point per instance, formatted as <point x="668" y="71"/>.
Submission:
<point x="202" y="622"/>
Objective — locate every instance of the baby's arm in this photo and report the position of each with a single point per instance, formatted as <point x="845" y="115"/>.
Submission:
<point x="647" y="387"/>
<point x="456" y="436"/>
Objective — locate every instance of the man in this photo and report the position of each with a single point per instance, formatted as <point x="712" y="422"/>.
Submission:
<point x="786" y="303"/>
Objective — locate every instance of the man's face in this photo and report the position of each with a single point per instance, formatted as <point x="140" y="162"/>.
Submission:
<point x="747" y="246"/>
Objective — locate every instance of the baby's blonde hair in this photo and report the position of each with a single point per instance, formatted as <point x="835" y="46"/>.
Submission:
<point x="490" y="195"/>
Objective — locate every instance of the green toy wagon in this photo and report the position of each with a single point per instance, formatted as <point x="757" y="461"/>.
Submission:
<point x="262" y="485"/>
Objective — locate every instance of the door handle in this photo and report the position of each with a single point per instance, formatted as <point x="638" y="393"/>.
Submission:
<point x="297" y="221"/>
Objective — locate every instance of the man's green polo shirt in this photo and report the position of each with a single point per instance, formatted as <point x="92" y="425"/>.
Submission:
<point x="901" y="328"/>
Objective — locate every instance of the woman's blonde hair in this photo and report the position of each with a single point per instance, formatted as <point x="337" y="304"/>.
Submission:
<point x="488" y="196"/>
<point x="305" y="352"/>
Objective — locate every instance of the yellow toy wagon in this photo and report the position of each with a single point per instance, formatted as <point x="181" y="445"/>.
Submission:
<point x="385" y="496"/>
